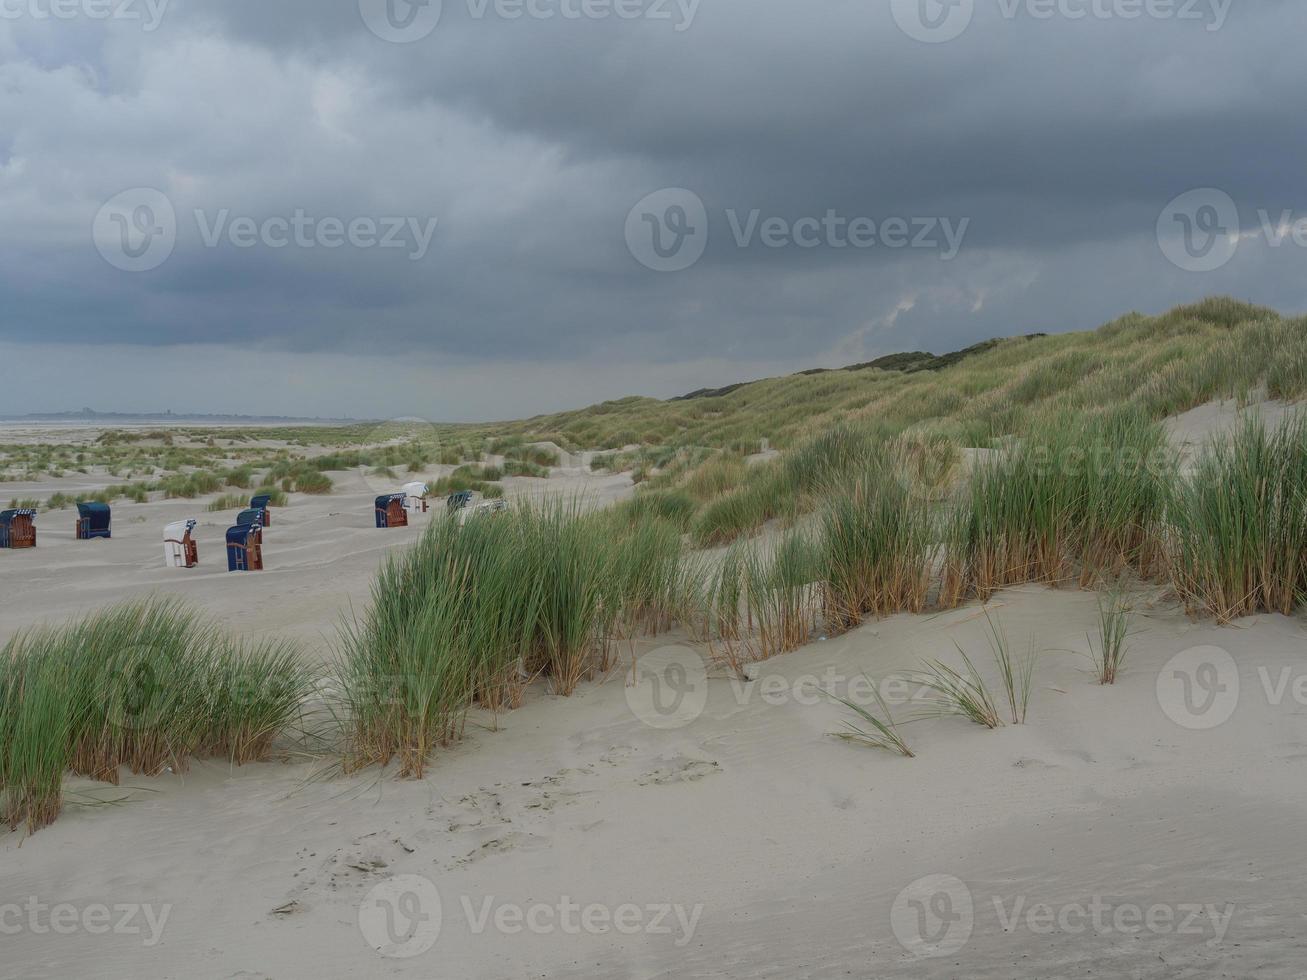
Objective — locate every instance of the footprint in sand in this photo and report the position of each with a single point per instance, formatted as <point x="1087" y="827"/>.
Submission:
<point x="484" y="808"/>
<point x="346" y="867"/>
<point x="554" y="799"/>
<point x="503" y="845"/>
<point x="559" y="777"/>
<point x="679" y="770"/>
<point x="1289" y="751"/>
<point x="616" y="755"/>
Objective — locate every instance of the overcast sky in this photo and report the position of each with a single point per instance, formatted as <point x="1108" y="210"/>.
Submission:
<point x="491" y="208"/>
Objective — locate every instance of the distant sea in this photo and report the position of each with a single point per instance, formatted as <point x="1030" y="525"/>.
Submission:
<point x="72" y="423"/>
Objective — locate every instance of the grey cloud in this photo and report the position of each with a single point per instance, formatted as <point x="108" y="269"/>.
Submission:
<point x="1059" y="141"/>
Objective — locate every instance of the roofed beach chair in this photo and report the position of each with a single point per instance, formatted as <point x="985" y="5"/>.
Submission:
<point x="179" y="549"/>
<point x="250" y="518"/>
<point x="415" y="497"/>
<point x="483" y="508"/>
<point x="18" y="528"/>
<point x="390" y="511"/>
<point x="245" y="548"/>
<point x="94" y="521"/>
<point x="261" y="504"/>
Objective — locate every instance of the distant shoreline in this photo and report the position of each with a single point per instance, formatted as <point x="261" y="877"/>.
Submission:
<point x="154" y="421"/>
<point x="59" y="429"/>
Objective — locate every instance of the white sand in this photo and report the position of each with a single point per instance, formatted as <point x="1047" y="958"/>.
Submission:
<point x="320" y="554"/>
<point x="794" y="844"/>
<point x="1192" y="430"/>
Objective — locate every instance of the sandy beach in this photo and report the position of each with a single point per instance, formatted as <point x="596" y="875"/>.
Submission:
<point x="786" y="849"/>
<point x="321" y="553"/>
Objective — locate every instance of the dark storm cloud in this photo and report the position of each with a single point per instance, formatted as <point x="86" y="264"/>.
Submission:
<point x="1058" y="142"/>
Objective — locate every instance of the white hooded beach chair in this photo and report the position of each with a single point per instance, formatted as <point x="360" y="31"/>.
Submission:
<point x="415" y="497"/>
<point x="179" y="550"/>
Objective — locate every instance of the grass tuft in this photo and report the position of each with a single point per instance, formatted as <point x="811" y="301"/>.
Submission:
<point x="880" y="732"/>
<point x="1109" y="655"/>
<point x="145" y="686"/>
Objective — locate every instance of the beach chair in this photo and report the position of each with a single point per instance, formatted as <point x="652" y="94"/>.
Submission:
<point x="94" y="521"/>
<point x="18" y="529"/>
<point x="484" y="508"/>
<point x="250" y="518"/>
<point x="390" y="511"/>
<point x="415" y="497"/>
<point x="245" y="548"/>
<point x="261" y="503"/>
<point x="179" y="549"/>
<point x="458" y="501"/>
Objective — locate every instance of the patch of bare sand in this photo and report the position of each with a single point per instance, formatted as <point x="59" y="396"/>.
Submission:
<point x="1220" y="419"/>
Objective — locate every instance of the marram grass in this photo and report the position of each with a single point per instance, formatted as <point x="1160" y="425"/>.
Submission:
<point x="145" y="686"/>
<point x="876" y="729"/>
<point x="875" y="550"/>
<point x="1236" y="529"/>
<point x="474" y="610"/>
